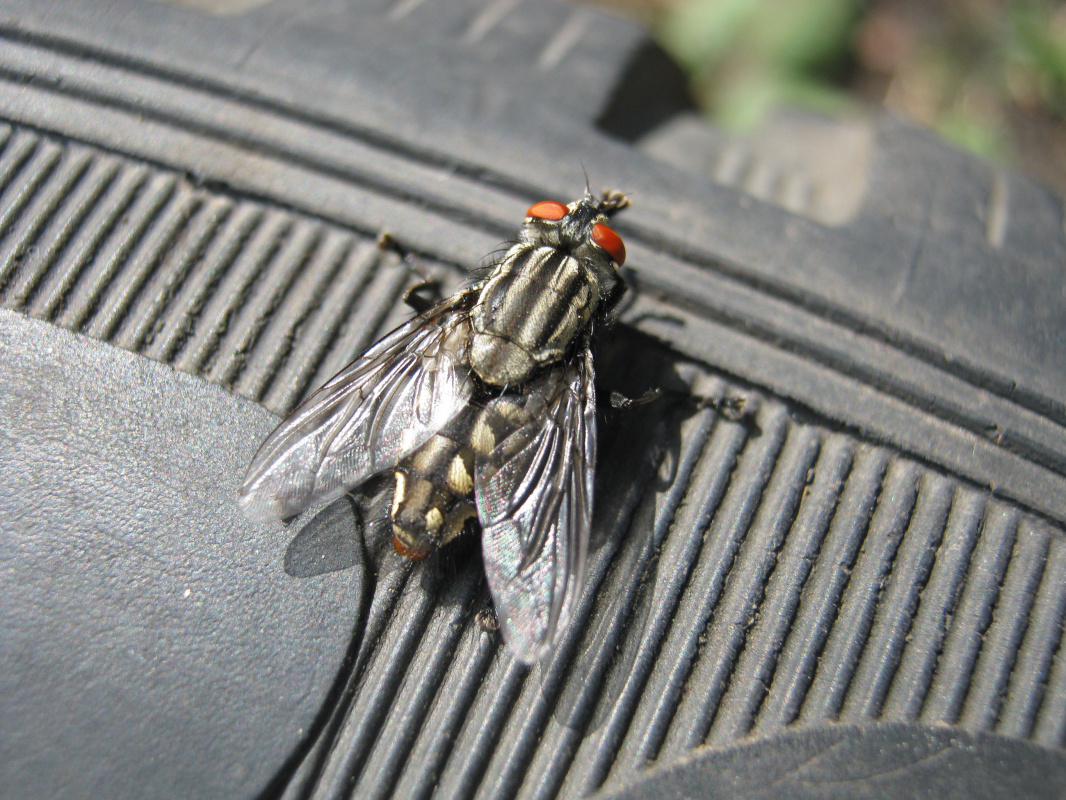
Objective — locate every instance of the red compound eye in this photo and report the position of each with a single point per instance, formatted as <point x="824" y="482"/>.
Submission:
<point x="548" y="209"/>
<point x="609" y="241"/>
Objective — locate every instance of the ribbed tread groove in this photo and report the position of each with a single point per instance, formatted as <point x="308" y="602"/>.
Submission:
<point x="438" y="736"/>
<point x="395" y="738"/>
<point x="205" y="351"/>
<point x="577" y="685"/>
<point x="895" y="611"/>
<point x="381" y="674"/>
<point x="95" y="228"/>
<point x="125" y="285"/>
<point x="365" y="323"/>
<point x="289" y="248"/>
<point x="861" y="594"/>
<point x="820" y="599"/>
<point x="274" y="341"/>
<point x="175" y="332"/>
<point x="28" y="166"/>
<point x="481" y="734"/>
<point x="1050" y="726"/>
<point x="67" y="217"/>
<point x="255" y="298"/>
<point x="147" y="314"/>
<point x="701" y="498"/>
<point x="754" y="670"/>
<point x="936" y="605"/>
<point x="706" y="580"/>
<point x="659" y="508"/>
<point x="999" y="646"/>
<point x="736" y="612"/>
<point x="328" y="305"/>
<point x="971" y="618"/>
<point x="1030" y="691"/>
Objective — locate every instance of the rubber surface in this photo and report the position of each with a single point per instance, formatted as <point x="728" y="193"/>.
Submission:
<point x="870" y="556"/>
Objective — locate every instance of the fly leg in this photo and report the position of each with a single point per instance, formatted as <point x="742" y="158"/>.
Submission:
<point x="731" y="408"/>
<point x="487" y="620"/>
<point x="423" y="295"/>
<point x="620" y="401"/>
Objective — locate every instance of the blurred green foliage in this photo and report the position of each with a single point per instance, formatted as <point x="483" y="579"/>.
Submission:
<point x="1038" y="44"/>
<point x="984" y="73"/>
<point x="748" y="56"/>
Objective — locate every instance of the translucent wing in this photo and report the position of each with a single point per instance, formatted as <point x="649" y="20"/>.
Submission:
<point x="534" y="500"/>
<point x="376" y="410"/>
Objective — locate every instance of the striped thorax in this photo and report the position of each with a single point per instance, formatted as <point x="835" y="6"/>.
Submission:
<point x="538" y="301"/>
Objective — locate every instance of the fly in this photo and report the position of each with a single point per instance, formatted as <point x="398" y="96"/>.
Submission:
<point x="484" y="408"/>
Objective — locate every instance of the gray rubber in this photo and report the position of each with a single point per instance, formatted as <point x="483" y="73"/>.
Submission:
<point x="868" y="559"/>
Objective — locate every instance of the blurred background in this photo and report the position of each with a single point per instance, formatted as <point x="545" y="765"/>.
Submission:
<point x="988" y="75"/>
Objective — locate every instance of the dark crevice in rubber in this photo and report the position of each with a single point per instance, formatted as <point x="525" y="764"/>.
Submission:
<point x="250" y="144"/>
<point x="651" y="90"/>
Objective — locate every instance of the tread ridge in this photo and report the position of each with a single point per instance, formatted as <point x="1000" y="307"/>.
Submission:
<point x="703" y="497"/>
<point x="695" y="467"/>
<point x="707" y="576"/>
<point x="57" y="234"/>
<point x="315" y="334"/>
<point x="1002" y="639"/>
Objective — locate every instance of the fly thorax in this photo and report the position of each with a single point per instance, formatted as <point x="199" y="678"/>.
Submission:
<point x="534" y="305"/>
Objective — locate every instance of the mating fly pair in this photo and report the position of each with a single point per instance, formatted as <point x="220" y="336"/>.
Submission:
<point x="485" y="409"/>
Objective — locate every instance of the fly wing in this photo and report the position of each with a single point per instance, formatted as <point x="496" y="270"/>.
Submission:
<point x="534" y="501"/>
<point x="375" y="411"/>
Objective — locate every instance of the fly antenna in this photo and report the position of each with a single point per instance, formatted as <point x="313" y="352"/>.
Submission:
<point x="588" y="186"/>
